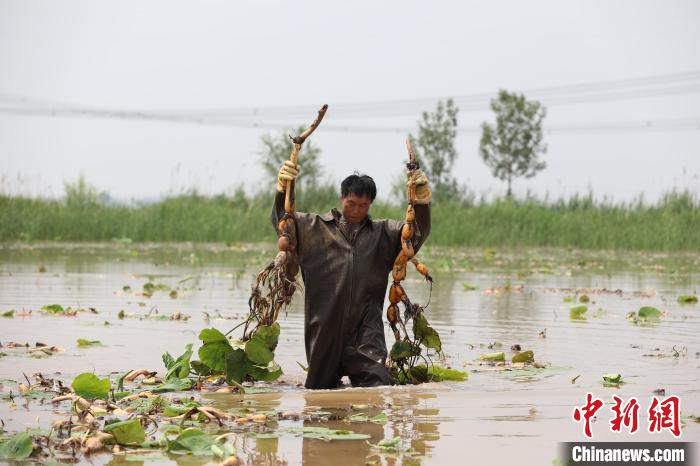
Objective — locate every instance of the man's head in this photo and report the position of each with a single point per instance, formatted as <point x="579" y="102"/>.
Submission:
<point x="356" y="195"/>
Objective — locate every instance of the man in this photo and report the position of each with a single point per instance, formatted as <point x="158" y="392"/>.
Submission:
<point x="345" y="259"/>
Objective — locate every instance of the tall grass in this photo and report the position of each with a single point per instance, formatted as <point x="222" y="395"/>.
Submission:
<point x="673" y="223"/>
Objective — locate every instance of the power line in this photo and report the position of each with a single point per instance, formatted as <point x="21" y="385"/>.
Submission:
<point x="677" y="124"/>
<point x="263" y="117"/>
<point x="671" y="84"/>
<point x="582" y="93"/>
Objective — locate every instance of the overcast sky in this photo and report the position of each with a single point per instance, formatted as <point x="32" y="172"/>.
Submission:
<point x="393" y="59"/>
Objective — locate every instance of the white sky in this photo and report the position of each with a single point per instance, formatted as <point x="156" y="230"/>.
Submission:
<point x="183" y="55"/>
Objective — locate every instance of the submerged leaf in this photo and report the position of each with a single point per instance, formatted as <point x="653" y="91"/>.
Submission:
<point x="90" y="387"/>
<point x="17" y="447"/>
<point x="53" y="308"/>
<point x="174" y="385"/>
<point x="577" y="312"/>
<point x="612" y="378"/>
<point x="83" y="343"/>
<point x="445" y="374"/>
<point x="127" y="432"/>
<point x="266" y="374"/>
<point x="648" y="313"/>
<point x="380" y="418"/>
<point x="323" y="433"/>
<point x="387" y="445"/>
<point x="525" y="356"/>
<point x="494" y="357"/>
<point x="194" y="442"/>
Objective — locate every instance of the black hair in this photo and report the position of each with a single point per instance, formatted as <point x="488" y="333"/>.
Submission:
<point x="359" y="185"/>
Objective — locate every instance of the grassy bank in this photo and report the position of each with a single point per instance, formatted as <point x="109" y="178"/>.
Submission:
<point x="672" y="224"/>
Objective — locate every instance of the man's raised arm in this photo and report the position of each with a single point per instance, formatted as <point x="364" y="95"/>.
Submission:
<point x="421" y="206"/>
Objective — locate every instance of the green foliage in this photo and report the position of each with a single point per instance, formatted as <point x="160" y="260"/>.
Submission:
<point x="90" y="387"/>
<point x="81" y="195"/>
<point x="433" y="373"/>
<point x="513" y="147"/>
<point x="215" y="349"/>
<point x="17" y="447"/>
<point x="612" y="378"/>
<point x="494" y="357"/>
<point x="323" y="433"/>
<point x="443" y="374"/>
<point x="671" y="224"/>
<point x="276" y="150"/>
<point x="577" y="312"/>
<point x="83" y="343"/>
<point x="53" y="308"/>
<point x="425" y="334"/>
<point x="251" y="360"/>
<point x="524" y="356"/>
<point x="435" y="148"/>
<point x="387" y="445"/>
<point x="269" y="334"/>
<point x="173" y="385"/>
<point x="237" y="366"/>
<point x="257" y="351"/>
<point x="195" y="442"/>
<point x="178" y="368"/>
<point x="403" y="349"/>
<point x="267" y="373"/>
<point x="648" y="313"/>
<point x="200" y="368"/>
<point x="380" y="418"/>
<point x="687" y="299"/>
<point x="127" y="432"/>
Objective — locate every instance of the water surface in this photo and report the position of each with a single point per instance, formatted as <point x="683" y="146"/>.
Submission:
<point x="496" y="417"/>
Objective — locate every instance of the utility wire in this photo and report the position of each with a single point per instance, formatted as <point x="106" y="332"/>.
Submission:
<point x="678" y="124"/>
<point x="583" y="93"/>
<point x="556" y="95"/>
<point x="574" y="94"/>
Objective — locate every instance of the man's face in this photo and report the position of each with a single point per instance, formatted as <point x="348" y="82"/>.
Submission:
<point x="355" y="207"/>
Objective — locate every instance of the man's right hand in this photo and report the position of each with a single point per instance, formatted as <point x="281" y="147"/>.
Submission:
<point x="288" y="172"/>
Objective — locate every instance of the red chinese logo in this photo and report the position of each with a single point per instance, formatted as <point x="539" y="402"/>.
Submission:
<point x="665" y="415"/>
<point x="587" y="411"/>
<point x="627" y="416"/>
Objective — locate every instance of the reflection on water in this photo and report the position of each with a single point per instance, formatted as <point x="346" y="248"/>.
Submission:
<point x="496" y="417"/>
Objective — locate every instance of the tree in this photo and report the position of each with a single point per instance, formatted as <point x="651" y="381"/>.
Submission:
<point x="513" y="147"/>
<point x="276" y="150"/>
<point x="435" y="148"/>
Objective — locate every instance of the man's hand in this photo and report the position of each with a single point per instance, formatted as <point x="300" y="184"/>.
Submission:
<point x="423" y="195"/>
<point x="288" y="172"/>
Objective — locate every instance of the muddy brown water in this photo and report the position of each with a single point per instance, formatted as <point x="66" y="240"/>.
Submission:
<point x="496" y="417"/>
